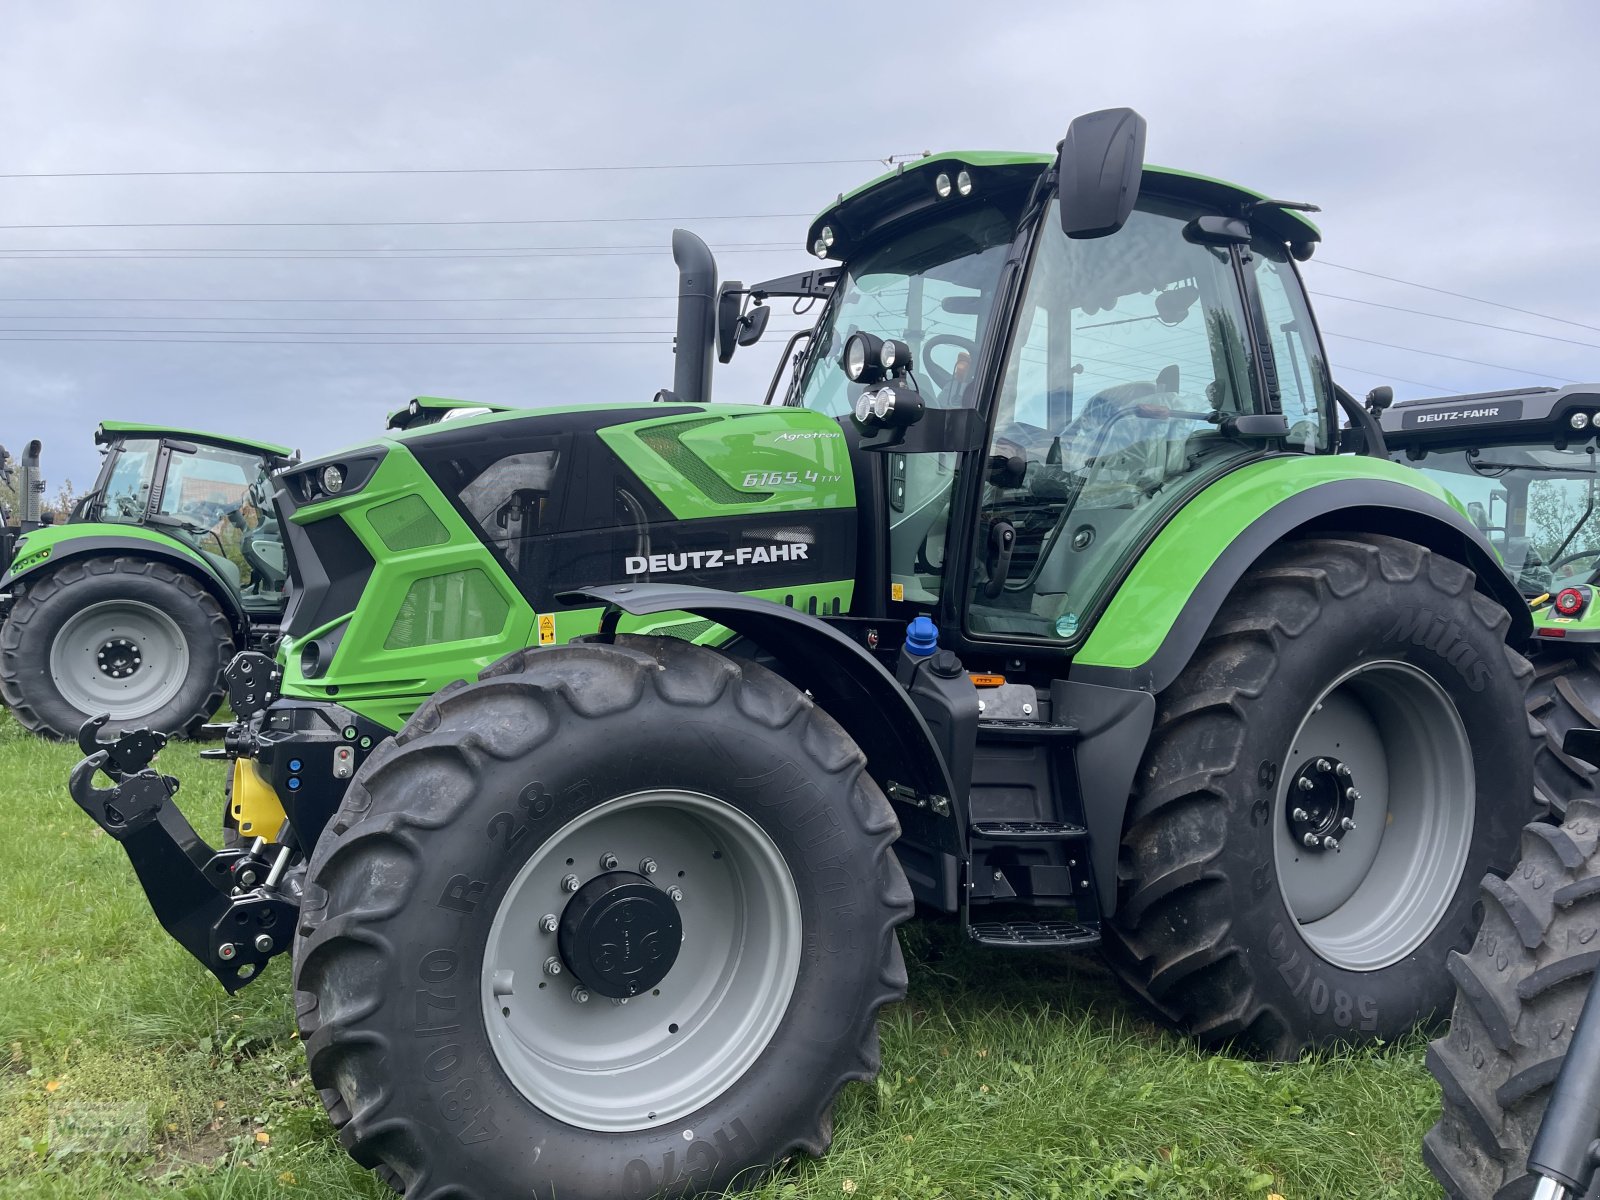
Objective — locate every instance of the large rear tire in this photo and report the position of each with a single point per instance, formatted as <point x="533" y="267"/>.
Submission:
<point x="1519" y="991"/>
<point x="482" y="1027"/>
<point x="1327" y="781"/>
<point x="128" y="636"/>
<point x="1565" y="695"/>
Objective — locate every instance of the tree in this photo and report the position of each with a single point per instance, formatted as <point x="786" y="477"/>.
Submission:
<point x="1555" y="507"/>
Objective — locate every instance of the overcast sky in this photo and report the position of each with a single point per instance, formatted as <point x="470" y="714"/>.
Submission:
<point x="1451" y="144"/>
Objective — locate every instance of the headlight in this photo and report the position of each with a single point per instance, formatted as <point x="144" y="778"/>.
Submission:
<point x="819" y="248"/>
<point x="332" y="479"/>
<point x="941" y="185"/>
<point x="882" y="403"/>
<point x="855" y="358"/>
<point x="863" y="406"/>
<point x="964" y="183"/>
<point x="827" y="237"/>
<point x="1578" y="420"/>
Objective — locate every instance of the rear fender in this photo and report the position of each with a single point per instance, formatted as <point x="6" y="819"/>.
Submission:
<point x="39" y="554"/>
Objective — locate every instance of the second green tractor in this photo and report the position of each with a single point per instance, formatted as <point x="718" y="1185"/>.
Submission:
<point x="607" y="744"/>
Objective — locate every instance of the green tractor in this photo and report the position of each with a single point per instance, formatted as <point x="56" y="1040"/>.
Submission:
<point x="132" y="607"/>
<point x="1526" y="465"/>
<point x="607" y="745"/>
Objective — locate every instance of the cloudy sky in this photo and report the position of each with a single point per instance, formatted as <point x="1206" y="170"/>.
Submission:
<point x="1449" y="144"/>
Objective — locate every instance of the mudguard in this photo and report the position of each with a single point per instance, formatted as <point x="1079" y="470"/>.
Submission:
<point x="53" y="545"/>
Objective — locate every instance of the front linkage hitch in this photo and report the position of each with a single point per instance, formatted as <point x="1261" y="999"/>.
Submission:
<point x="232" y="909"/>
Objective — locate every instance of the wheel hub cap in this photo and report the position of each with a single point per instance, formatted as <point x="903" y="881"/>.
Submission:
<point x="119" y="657"/>
<point x="619" y="934"/>
<point x="1321" y="804"/>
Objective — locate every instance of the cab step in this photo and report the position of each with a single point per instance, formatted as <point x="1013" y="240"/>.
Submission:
<point x="1034" y="935"/>
<point x="1026" y="831"/>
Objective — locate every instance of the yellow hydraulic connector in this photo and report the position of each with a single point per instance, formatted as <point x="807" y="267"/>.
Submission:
<point x="256" y="807"/>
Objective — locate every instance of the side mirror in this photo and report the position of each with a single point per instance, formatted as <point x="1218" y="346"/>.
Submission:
<point x="730" y="299"/>
<point x="1379" y="398"/>
<point x="753" y="324"/>
<point x="1099" y="167"/>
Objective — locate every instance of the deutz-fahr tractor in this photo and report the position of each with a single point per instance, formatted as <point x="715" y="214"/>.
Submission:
<point x="607" y="744"/>
<point x="170" y="564"/>
<point x="1526" y="464"/>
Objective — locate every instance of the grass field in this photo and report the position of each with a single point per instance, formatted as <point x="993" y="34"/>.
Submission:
<point x="128" y="1073"/>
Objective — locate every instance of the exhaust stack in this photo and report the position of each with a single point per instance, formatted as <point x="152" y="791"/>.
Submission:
<point x="30" y="486"/>
<point x="697" y="317"/>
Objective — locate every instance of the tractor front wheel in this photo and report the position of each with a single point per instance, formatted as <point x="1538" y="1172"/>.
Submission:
<point x="1344" y="758"/>
<point x="615" y="920"/>
<point x="131" y="637"/>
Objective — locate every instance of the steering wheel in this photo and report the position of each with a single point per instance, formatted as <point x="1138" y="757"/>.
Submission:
<point x="127" y="506"/>
<point x="943" y="377"/>
<point x="1573" y="557"/>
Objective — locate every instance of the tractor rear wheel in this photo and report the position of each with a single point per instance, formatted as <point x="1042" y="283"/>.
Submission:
<point x="615" y="920"/>
<point x="127" y="636"/>
<point x="1565" y="695"/>
<point x="1327" y="781"/>
<point x="1519" y="991"/>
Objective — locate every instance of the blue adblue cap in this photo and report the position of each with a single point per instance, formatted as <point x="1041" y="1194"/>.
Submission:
<point x="922" y="636"/>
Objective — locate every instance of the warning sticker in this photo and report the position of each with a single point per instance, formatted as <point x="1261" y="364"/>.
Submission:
<point x="547" y="628"/>
<point x="897" y="591"/>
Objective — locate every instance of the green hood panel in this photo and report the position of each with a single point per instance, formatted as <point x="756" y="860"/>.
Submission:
<point x="1149" y="602"/>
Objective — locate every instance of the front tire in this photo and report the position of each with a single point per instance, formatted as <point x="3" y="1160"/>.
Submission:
<point x="467" y="1049"/>
<point x="1565" y="695"/>
<point x="131" y="637"/>
<point x="1520" y="989"/>
<point x="1327" y="781"/>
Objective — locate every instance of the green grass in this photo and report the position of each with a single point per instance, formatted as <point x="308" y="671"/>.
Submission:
<point x="126" y="1072"/>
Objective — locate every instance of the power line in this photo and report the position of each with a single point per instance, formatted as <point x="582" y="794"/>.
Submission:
<point x="1549" y="337"/>
<point x="452" y="222"/>
<point x="51" y="256"/>
<point x="771" y="245"/>
<point x="1432" y="387"/>
<point x="380" y="333"/>
<point x="1350" y="337"/>
<point x="562" y="170"/>
<point x="1427" y="287"/>
<point x="255" y="317"/>
<point x="313" y="300"/>
<point x="664" y="341"/>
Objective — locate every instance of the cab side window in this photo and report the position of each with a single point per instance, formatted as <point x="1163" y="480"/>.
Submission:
<point x="1302" y="373"/>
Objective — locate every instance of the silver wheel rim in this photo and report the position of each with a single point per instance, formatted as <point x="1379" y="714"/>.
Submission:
<point x="605" y="1065"/>
<point x="1377" y="896"/>
<point x="121" y="657"/>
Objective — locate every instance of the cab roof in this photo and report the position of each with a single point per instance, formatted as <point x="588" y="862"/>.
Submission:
<point x="401" y="417"/>
<point x="1534" y="414"/>
<point x="880" y="201"/>
<point x="110" y="431"/>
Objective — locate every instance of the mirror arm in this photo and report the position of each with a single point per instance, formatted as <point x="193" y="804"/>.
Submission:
<point x="1360" y="418"/>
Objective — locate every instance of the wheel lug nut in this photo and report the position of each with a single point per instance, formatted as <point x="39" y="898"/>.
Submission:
<point x="1342" y="771"/>
<point x="1330" y="843"/>
<point x="1324" y="765"/>
<point x="263" y="943"/>
<point x="647" y="866"/>
<point x="1310" y="841"/>
<point x="1301" y="814"/>
<point x="608" y="862"/>
<point x="552" y="965"/>
<point x="1347" y="824"/>
<point x="569" y="883"/>
<point x="675" y="892"/>
<point x="580" y="995"/>
<point x="1305" y="784"/>
<point x="1352" y="795"/>
<point x="548" y="923"/>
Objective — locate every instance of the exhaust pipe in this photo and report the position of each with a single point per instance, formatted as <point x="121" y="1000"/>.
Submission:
<point x="30" y="486"/>
<point x="697" y="317"/>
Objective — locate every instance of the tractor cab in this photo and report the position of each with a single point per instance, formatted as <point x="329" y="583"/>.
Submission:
<point x="210" y="492"/>
<point x="1525" y="465"/>
<point x="1037" y="396"/>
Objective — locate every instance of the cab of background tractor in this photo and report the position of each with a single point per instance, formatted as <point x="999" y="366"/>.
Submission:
<point x="210" y="492"/>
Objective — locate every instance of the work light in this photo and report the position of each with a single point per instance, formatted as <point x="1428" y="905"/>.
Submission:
<point x="332" y="479"/>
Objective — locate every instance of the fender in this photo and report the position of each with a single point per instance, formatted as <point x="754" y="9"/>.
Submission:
<point x="848" y="682"/>
<point x="68" y="544"/>
<point x="1394" y="507"/>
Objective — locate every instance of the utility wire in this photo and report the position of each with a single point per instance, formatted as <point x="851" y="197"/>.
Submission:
<point x="565" y="170"/>
<point x="453" y="222"/>
<point x="378" y="333"/>
<point x="1350" y="337"/>
<point x="662" y="341"/>
<point x="770" y="245"/>
<point x="1427" y="287"/>
<point x="1549" y="337"/>
<point x="369" y="257"/>
<point x="1440" y="388"/>
<point x="313" y="300"/>
<point x="253" y="317"/>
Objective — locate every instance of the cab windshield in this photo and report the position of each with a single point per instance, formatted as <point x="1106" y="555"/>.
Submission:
<point x="1537" y="505"/>
<point x="931" y="287"/>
